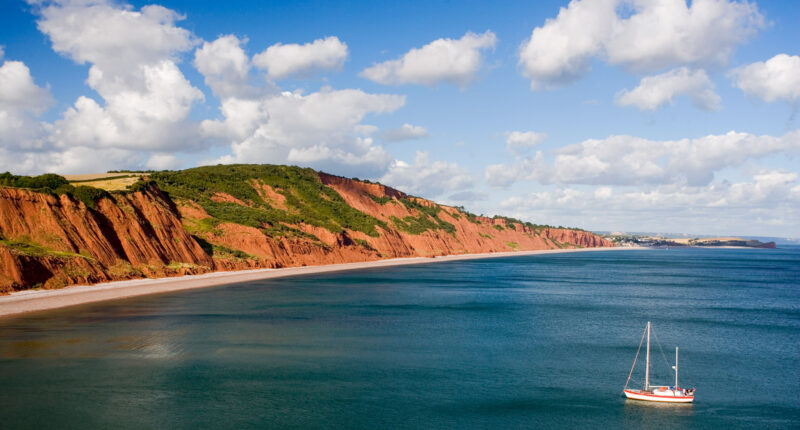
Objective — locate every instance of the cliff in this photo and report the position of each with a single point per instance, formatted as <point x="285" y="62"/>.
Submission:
<point x="238" y="217"/>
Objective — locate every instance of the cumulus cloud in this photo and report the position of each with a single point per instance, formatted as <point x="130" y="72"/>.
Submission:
<point x="282" y="61"/>
<point x="21" y="101"/>
<point x="656" y="91"/>
<point x="18" y="92"/>
<point x="559" y="52"/>
<point x="225" y="66"/>
<point x="133" y="68"/>
<point x="521" y="142"/>
<point x="427" y="179"/>
<point x="144" y="98"/>
<point x="641" y="36"/>
<point x="770" y="197"/>
<point x="629" y="160"/>
<point x="775" y="79"/>
<point x="141" y="117"/>
<point x="115" y="38"/>
<point x="406" y="132"/>
<point x="152" y="117"/>
<point x="262" y="124"/>
<point x="444" y="60"/>
<point x="321" y="130"/>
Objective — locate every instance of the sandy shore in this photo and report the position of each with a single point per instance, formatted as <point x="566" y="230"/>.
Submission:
<point x="39" y="300"/>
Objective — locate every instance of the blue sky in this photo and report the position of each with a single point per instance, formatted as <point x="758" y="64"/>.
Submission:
<point x="616" y="115"/>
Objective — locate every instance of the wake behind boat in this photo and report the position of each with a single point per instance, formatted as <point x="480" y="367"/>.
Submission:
<point x="657" y="393"/>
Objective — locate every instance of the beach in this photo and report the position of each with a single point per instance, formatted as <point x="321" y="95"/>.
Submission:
<point x="40" y="300"/>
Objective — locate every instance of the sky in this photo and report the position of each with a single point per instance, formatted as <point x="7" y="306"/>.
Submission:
<point x="609" y="115"/>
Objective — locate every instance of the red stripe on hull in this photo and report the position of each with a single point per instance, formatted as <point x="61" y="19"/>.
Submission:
<point x="657" y="398"/>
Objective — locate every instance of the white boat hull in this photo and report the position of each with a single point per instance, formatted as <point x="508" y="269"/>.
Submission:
<point x="649" y="396"/>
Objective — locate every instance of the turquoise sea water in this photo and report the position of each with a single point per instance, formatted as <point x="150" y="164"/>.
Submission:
<point x="524" y="342"/>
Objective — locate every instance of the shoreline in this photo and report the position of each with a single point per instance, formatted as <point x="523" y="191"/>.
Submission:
<point x="27" y="301"/>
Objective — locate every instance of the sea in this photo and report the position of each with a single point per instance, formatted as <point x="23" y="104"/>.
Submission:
<point x="543" y="341"/>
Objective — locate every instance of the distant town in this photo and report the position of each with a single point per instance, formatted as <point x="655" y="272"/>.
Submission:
<point x="660" y="241"/>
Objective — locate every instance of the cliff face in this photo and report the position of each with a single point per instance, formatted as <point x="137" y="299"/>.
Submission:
<point x="472" y="234"/>
<point x="53" y="241"/>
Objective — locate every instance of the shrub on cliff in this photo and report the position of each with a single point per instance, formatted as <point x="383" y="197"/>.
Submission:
<point x="89" y="195"/>
<point x="53" y="184"/>
<point x="140" y="185"/>
<point x="427" y="218"/>
<point x="48" y="181"/>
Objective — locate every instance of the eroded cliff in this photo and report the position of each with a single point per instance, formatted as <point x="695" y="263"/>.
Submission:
<point x="240" y="217"/>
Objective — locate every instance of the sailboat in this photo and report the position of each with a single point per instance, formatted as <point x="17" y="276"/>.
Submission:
<point x="657" y="393"/>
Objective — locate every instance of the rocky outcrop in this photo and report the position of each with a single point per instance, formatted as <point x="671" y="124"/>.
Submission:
<point x="52" y="241"/>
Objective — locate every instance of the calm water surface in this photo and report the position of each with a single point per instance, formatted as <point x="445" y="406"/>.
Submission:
<point x="524" y="342"/>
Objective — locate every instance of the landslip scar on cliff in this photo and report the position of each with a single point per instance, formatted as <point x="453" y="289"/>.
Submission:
<point x="54" y="233"/>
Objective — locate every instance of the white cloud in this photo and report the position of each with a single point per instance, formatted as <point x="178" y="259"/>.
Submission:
<point x="18" y="92"/>
<point x="366" y="130"/>
<point x="639" y="35"/>
<point x="113" y="37"/>
<point x="666" y="32"/>
<point x="524" y="169"/>
<point x="444" y="60"/>
<point x="776" y="79"/>
<point x="406" y="132"/>
<point x="321" y="130"/>
<point x="261" y="124"/>
<point x="21" y="101"/>
<point x="770" y="198"/>
<point x="77" y="159"/>
<point x="559" y="52"/>
<point x="132" y="53"/>
<point x="225" y="66"/>
<point x="242" y="117"/>
<point x="656" y="91"/>
<point x="142" y="115"/>
<point x="427" y="179"/>
<point x="282" y="61"/>
<point x="152" y="116"/>
<point x="470" y="196"/>
<point x="162" y="161"/>
<point x="2" y="52"/>
<point x="629" y="160"/>
<point x="520" y="142"/>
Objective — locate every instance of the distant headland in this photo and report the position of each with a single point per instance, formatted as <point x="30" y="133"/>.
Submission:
<point x="658" y="241"/>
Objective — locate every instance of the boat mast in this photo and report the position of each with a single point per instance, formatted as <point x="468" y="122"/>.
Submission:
<point x="647" y="367"/>
<point x="676" y="367"/>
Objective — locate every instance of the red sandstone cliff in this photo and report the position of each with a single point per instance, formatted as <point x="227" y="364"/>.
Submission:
<point x="56" y="241"/>
<point x="48" y="241"/>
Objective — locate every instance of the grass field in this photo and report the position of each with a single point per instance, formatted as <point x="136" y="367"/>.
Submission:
<point x="106" y="181"/>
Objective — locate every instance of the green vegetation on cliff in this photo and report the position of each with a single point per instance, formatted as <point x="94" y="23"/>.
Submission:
<point x="53" y="184"/>
<point x="47" y="183"/>
<point x="307" y="199"/>
<point x="25" y="246"/>
<point x="427" y="218"/>
<point x="532" y="226"/>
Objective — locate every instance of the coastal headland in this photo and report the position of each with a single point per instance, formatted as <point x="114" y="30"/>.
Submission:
<point x="56" y="232"/>
<point x="622" y="239"/>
